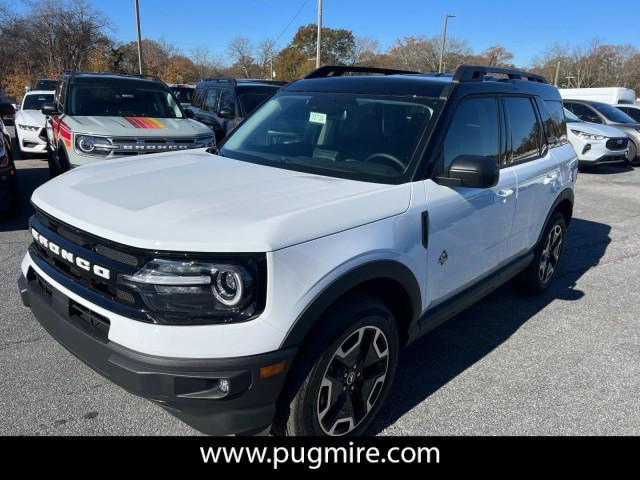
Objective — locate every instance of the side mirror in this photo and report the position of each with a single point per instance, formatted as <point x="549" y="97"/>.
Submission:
<point x="594" y="119"/>
<point x="6" y="109"/>
<point x="471" y="171"/>
<point x="49" y="109"/>
<point x="188" y="113"/>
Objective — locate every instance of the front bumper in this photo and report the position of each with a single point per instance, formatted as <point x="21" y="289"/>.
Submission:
<point x="31" y="141"/>
<point x="595" y="152"/>
<point x="186" y="388"/>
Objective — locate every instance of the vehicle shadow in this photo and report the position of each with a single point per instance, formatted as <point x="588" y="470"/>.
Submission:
<point x="441" y="355"/>
<point x="606" y="169"/>
<point x="29" y="178"/>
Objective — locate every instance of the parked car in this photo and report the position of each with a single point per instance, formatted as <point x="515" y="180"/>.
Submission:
<point x="183" y="93"/>
<point x="8" y="115"/>
<point x="632" y="110"/>
<point x="222" y="103"/>
<point x="596" y="144"/>
<point x="273" y="282"/>
<point x="3" y="128"/>
<point x="610" y="95"/>
<point x="31" y="133"/>
<point x="97" y="117"/>
<point x="605" y="114"/>
<point x="8" y="179"/>
<point x="46" y="84"/>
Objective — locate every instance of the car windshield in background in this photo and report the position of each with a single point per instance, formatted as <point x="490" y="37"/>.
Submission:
<point x="46" y="85"/>
<point x="252" y="97"/>
<point x="612" y="113"/>
<point x="35" y="101"/>
<point x="570" y="116"/>
<point x="123" y="98"/>
<point x="183" y="94"/>
<point x="364" y="137"/>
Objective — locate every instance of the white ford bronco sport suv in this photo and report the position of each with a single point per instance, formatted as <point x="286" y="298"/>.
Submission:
<point x="97" y="117"/>
<point x="271" y="282"/>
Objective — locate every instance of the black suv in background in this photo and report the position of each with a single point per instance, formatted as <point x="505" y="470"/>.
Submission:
<point x="222" y="103"/>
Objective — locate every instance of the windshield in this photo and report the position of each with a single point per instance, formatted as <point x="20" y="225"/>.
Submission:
<point x="612" y="113"/>
<point x="570" y="116"/>
<point x="365" y="137"/>
<point x="183" y="94"/>
<point x="123" y="98"/>
<point x="252" y="97"/>
<point x="35" y="101"/>
<point x="46" y="85"/>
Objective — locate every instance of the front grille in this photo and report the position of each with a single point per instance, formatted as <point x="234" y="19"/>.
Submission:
<point x="141" y="146"/>
<point x="95" y="250"/>
<point x="617" y="143"/>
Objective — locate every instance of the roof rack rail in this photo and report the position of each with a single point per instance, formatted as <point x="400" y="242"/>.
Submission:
<point x="132" y="75"/>
<point x="339" y="70"/>
<point x="476" y="73"/>
<point x="220" y="79"/>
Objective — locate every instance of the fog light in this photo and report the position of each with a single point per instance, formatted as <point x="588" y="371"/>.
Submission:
<point x="223" y="385"/>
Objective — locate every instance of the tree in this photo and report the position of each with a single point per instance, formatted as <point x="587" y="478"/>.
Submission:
<point x="497" y="56"/>
<point x="291" y="64"/>
<point x="338" y="45"/>
<point x="422" y="54"/>
<point x="241" y="52"/>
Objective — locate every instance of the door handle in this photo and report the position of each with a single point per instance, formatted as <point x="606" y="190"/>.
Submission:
<point x="550" y="177"/>
<point x="505" y="193"/>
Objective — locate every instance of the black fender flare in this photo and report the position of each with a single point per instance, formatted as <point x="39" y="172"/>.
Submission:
<point x="374" y="270"/>
<point x="566" y="194"/>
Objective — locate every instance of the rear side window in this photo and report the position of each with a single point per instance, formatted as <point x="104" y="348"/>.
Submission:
<point x="227" y="103"/>
<point x="632" y="112"/>
<point x="555" y="125"/>
<point x="524" y="128"/>
<point x="210" y="103"/>
<point x="474" y="130"/>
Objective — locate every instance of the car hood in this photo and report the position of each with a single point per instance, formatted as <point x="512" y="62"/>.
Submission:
<point x="30" y="117"/>
<point x="136" y="126"/>
<point x="199" y="202"/>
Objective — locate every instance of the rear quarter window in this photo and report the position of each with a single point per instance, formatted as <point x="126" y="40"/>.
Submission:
<point x="554" y="122"/>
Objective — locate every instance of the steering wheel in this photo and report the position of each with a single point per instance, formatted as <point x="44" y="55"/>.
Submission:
<point x="395" y="161"/>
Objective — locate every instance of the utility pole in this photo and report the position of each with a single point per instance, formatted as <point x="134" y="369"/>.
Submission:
<point x="139" y="36"/>
<point x="319" y="39"/>
<point x="557" y="73"/>
<point x="444" y="40"/>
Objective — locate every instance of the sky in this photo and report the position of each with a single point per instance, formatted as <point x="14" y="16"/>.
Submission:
<point x="524" y="27"/>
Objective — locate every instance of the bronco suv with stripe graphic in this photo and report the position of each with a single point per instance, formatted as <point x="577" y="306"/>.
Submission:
<point x="103" y="116"/>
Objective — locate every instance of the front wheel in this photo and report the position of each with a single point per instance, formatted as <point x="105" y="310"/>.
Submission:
<point x="344" y="374"/>
<point x="632" y="154"/>
<point x="544" y="267"/>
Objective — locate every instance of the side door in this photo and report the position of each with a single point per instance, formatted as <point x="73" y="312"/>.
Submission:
<point x="468" y="227"/>
<point x="536" y="168"/>
<point x="209" y="109"/>
<point x="228" y="111"/>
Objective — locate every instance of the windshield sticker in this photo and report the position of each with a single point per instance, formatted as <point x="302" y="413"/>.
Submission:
<point x="144" y="122"/>
<point x="320" y="118"/>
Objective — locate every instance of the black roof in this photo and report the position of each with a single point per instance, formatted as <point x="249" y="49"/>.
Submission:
<point x="90" y="77"/>
<point x="240" y="82"/>
<point x="470" y="78"/>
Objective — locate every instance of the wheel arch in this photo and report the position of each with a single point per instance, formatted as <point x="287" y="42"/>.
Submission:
<point x="562" y="204"/>
<point x="390" y="281"/>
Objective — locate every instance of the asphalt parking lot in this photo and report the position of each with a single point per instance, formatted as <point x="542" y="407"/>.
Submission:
<point x="567" y="362"/>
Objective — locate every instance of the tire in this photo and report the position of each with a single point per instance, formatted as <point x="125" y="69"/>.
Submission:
<point x="537" y="277"/>
<point x="632" y="157"/>
<point x="58" y="164"/>
<point x="352" y="355"/>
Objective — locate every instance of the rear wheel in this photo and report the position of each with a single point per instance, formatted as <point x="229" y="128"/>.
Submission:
<point x="544" y="266"/>
<point x="344" y="375"/>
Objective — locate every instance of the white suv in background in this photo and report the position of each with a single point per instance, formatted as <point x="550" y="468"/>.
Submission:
<point x="596" y="144"/>
<point x="30" y="123"/>
<point x="271" y="283"/>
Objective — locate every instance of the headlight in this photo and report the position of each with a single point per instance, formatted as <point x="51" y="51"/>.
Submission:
<point x="89" y="144"/>
<point x="29" y="128"/>
<point x="588" y="136"/>
<point x="182" y="292"/>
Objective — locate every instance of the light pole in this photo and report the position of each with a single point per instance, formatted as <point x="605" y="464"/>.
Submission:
<point x="319" y="39"/>
<point x="139" y="37"/>
<point x="444" y="39"/>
